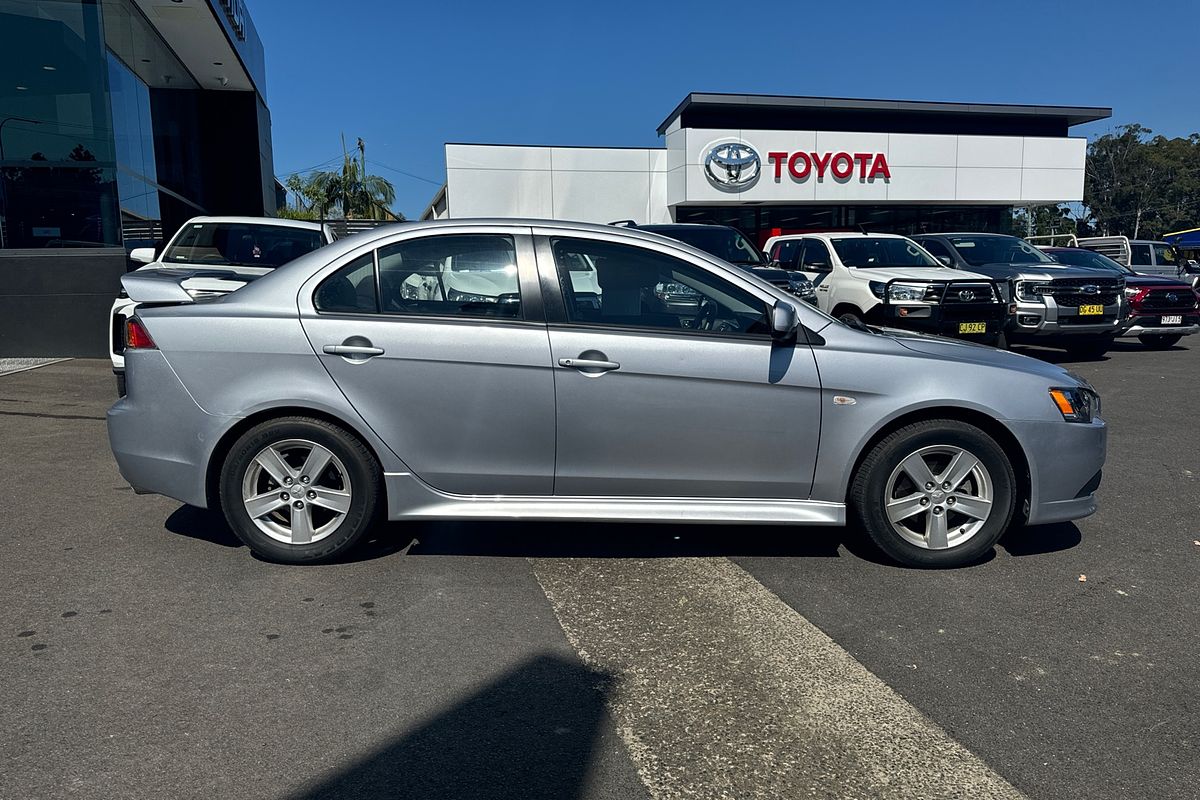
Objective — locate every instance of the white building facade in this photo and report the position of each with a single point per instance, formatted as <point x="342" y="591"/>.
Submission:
<point x="771" y="165"/>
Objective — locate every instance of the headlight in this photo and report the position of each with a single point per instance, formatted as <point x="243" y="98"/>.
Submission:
<point x="455" y="296"/>
<point x="900" y="292"/>
<point x="800" y="286"/>
<point x="1130" y="291"/>
<point x="1031" y="290"/>
<point x="1076" y="404"/>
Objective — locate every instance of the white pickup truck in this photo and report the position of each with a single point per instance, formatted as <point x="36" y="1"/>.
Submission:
<point x="224" y="253"/>
<point x="890" y="281"/>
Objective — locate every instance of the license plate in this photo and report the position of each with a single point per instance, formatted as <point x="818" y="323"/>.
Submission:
<point x="1090" y="310"/>
<point x="972" y="327"/>
<point x="1178" y="320"/>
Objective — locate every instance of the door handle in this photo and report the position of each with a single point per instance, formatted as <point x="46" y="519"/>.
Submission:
<point x="589" y="364"/>
<point x="352" y="350"/>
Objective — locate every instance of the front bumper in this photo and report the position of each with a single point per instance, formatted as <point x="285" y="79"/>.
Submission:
<point x="946" y="320"/>
<point x="1065" y="462"/>
<point x="1141" y="324"/>
<point x="160" y="438"/>
<point x="1051" y="319"/>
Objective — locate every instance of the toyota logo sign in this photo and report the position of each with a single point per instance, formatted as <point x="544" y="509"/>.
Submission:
<point x="966" y="295"/>
<point x="732" y="165"/>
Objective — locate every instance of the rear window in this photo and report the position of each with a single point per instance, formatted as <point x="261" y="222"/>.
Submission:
<point x="226" y="244"/>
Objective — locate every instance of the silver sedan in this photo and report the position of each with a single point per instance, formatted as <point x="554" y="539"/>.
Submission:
<point x="523" y="369"/>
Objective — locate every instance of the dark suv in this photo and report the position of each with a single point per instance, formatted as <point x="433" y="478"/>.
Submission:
<point x="1076" y="308"/>
<point x="731" y="245"/>
<point x="1161" y="310"/>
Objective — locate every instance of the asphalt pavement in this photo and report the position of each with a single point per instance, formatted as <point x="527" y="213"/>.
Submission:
<point x="146" y="653"/>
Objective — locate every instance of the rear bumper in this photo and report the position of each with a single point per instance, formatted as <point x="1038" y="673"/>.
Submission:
<point x="160" y="438"/>
<point x="1065" y="462"/>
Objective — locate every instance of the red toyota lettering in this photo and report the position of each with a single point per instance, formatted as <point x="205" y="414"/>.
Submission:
<point x="863" y="160"/>
<point x="777" y="159"/>
<point x="880" y="167"/>
<point x="799" y="174"/>
<point x="821" y="163"/>
<point x="847" y="162"/>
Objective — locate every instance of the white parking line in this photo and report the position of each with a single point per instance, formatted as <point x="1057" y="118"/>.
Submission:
<point x="725" y="691"/>
<point x="11" y="366"/>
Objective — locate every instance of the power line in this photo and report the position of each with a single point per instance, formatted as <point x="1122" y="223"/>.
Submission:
<point x="324" y="163"/>
<point x="379" y="163"/>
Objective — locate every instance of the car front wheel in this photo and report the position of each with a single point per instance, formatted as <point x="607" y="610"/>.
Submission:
<point x="299" y="490"/>
<point x="936" y="493"/>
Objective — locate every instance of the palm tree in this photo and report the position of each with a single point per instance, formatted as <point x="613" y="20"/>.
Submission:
<point x="359" y="194"/>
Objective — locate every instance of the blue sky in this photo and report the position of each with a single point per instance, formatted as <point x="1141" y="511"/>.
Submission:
<point x="409" y="75"/>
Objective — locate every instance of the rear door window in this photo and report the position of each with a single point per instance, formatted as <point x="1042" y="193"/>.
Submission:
<point x="1140" y="254"/>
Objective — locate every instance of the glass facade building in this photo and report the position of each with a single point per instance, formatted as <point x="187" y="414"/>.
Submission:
<point x="119" y="120"/>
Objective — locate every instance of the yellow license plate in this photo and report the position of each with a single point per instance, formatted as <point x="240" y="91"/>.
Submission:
<point x="1090" y="310"/>
<point x="972" y="327"/>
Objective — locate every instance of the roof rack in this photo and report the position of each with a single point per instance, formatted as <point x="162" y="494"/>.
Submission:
<point x="624" y="223"/>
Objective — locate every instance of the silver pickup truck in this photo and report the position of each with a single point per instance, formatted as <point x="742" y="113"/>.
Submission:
<point x="1078" y="309"/>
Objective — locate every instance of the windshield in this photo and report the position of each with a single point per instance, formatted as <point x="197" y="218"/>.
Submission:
<point x="872" y="251"/>
<point x="239" y="244"/>
<point x="724" y="243"/>
<point x="980" y="250"/>
<point x="1086" y="258"/>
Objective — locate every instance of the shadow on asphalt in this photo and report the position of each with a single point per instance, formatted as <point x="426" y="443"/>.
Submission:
<point x="1039" y="540"/>
<point x="529" y="734"/>
<point x="619" y="540"/>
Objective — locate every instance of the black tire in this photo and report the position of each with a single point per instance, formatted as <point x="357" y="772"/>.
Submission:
<point x="1088" y="349"/>
<point x="868" y="493"/>
<point x="852" y="319"/>
<point x="360" y="464"/>
<point x="1158" y="341"/>
<point x="120" y="384"/>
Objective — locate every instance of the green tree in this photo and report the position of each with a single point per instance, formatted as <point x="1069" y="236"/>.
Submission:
<point x="351" y="192"/>
<point x="1141" y="185"/>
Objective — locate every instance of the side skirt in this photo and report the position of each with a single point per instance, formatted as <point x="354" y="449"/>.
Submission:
<point x="410" y="498"/>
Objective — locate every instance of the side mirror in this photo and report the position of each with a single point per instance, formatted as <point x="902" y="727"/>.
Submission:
<point x="946" y="260"/>
<point x="142" y="255"/>
<point x="783" y="320"/>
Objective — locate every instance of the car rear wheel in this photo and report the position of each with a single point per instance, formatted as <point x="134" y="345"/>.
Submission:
<point x="1157" y="341"/>
<point x="299" y="490"/>
<point x="937" y="493"/>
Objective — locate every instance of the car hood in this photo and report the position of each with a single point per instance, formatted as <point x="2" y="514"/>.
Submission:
<point x="884" y="274"/>
<point x="1039" y="272"/>
<point x="1156" y="281"/>
<point x="974" y="353"/>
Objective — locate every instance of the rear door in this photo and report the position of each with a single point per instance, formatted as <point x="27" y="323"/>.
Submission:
<point x="439" y="342"/>
<point x="668" y="382"/>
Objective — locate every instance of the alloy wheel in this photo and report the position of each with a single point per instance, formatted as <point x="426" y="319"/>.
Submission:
<point x="296" y="491"/>
<point x="939" y="497"/>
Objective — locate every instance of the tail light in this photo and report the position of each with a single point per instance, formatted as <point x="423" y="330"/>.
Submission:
<point x="137" y="337"/>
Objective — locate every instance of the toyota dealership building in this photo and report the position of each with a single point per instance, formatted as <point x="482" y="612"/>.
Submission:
<point x="771" y="164"/>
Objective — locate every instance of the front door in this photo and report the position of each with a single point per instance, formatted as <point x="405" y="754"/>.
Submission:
<point x="436" y="343"/>
<point x="668" y="381"/>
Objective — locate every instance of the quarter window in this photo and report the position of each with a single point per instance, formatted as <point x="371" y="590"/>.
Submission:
<point x="469" y="275"/>
<point x="350" y="290"/>
<point x="621" y="285"/>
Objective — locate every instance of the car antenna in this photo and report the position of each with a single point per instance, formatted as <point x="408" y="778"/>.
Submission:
<point x="862" y="229"/>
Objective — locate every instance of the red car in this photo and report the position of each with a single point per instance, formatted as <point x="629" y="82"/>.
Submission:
<point x="1161" y="310"/>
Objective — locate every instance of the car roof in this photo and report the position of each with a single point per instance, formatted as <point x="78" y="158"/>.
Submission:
<point x="840" y="235"/>
<point x="674" y="226"/>
<point x="273" y="221"/>
<point x="970" y="233"/>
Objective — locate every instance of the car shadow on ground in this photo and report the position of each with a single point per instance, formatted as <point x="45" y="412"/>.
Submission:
<point x="523" y="539"/>
<point x="531" y="733"/>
